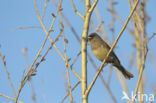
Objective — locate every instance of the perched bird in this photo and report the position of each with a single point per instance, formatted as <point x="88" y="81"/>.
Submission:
<point x="100" y="49"/>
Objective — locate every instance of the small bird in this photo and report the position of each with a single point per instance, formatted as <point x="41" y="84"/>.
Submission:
<point x="100" y="49"/>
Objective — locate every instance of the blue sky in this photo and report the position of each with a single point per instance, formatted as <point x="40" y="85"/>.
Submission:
<point x="50" y="80"/>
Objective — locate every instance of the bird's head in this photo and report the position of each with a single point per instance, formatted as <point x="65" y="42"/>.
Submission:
<point x="91" y="36"/>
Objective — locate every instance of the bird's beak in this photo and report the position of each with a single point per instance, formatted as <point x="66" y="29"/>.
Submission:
<point x="89" y="38"/>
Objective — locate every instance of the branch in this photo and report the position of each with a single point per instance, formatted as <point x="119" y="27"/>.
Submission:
<point x="75" y="58"/>
<point x="141" y="73"/>
<point x="84" y="49"/>
<point x="72" y="90"/>
<point x="76" y="10"/>
<point x="4" y="62"/>
<point x="10" y="98"/>
<point x="93" y="6"/>
<point x="45" y="6"/>
<point x="152" y="36"/>
<point x="66" y="60"/>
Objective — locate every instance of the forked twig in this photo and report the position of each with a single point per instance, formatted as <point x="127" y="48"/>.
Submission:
<point x="75" y="10"/>
<point x="10" y="98"/>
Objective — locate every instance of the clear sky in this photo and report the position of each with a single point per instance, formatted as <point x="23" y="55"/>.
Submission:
<point x="50" y="82"/>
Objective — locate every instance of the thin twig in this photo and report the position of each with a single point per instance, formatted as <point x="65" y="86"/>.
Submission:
<point x="43" y="92"/>
<point x="109" y="74"/>
<point x="43" y="57"/>
<point x="4" y="62"/>
<point x="25" y="27"/>
<point x="72" y="90"/>
<point x="122" y="82"/>
<point x="76" y="58"/>
<point x="45" y="6"/>
<point x="66" y="60"/>
<point x="99" y="18"/>
<point x="75" y="10"/>
<point x="33" y="92"/>
<point x="10" y="98"/>
<point x="152" y="36"/>
<point x="141" y="73"/>
<point x="98" y="28"/>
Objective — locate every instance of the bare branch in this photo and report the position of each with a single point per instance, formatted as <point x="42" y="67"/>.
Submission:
<point x="4" y="62"/>
<point x="45" y="6"/>
<point x="93" y="6"/>
<point x="72" y="90"/>
<point x="10" y="98"/>
<point x="76" y="10"/>
<point x="66" y="60"/>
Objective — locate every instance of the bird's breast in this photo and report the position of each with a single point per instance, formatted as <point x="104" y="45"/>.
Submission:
<point x="100" y="52"/>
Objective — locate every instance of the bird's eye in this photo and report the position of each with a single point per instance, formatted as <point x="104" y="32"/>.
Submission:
<point x="92" y="35"/>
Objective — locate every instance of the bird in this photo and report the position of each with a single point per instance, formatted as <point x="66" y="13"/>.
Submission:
<point x="100" y="49"/>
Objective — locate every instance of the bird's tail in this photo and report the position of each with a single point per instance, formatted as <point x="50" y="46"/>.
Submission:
<point x="126" y="73"/>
